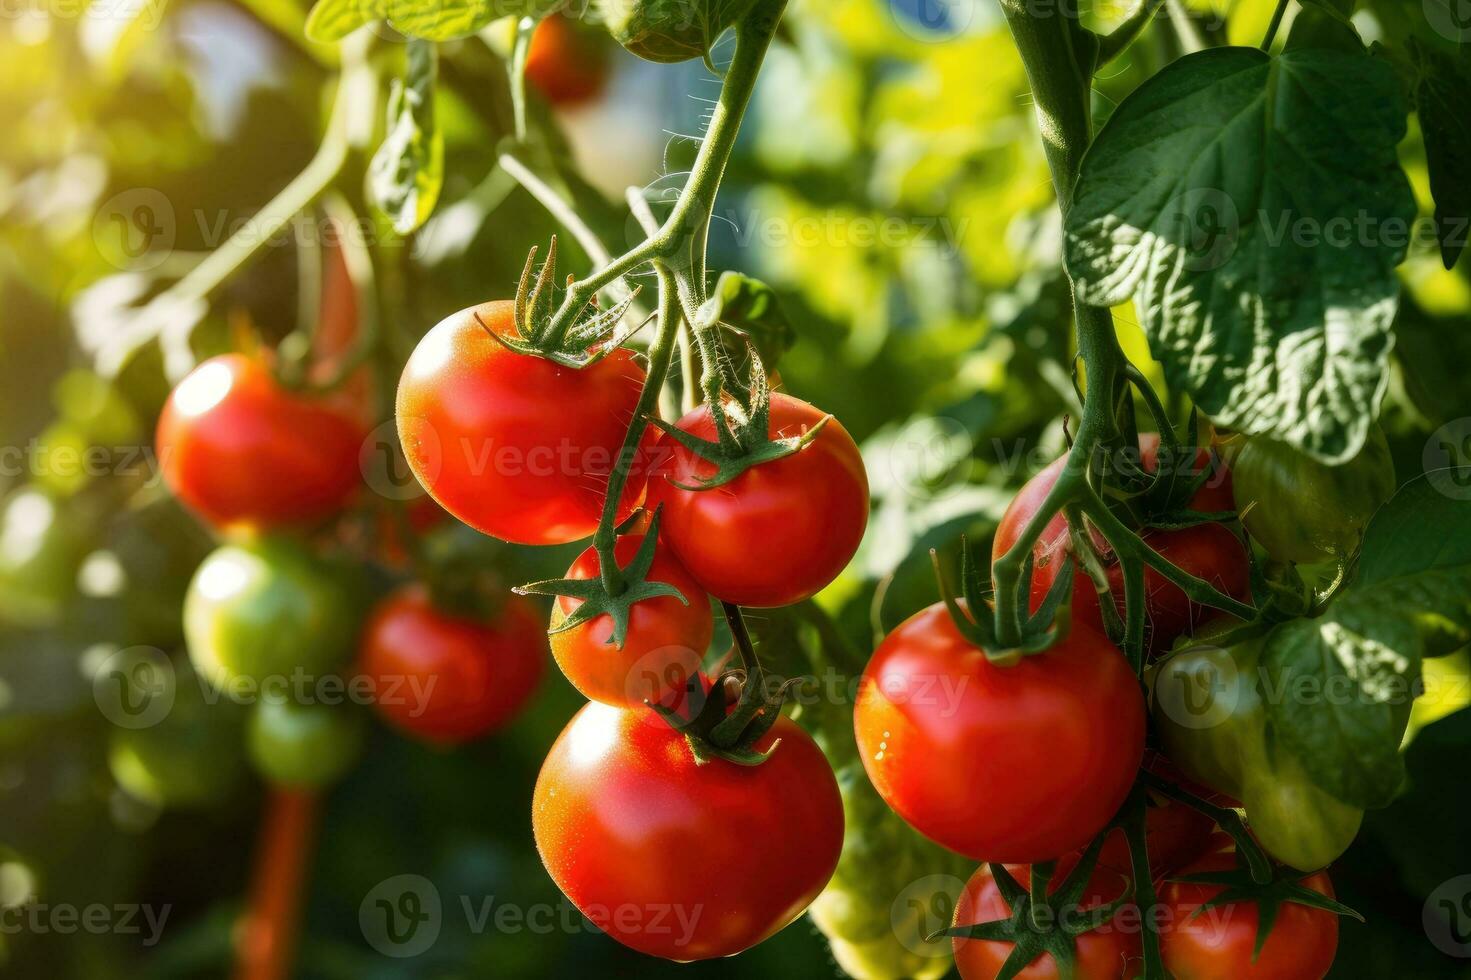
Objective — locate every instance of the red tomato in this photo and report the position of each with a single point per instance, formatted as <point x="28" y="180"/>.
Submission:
<point x="514" y="445"/>
<point x="1110" y="952"/>
<point x="1209" y="551"/>
<point x="1217" y="944"/>
<point x="779" y="532"/>
<point x="1021" y="763"/>
<point x="239" y="449"/>
<point x="565" y="64"/>
<point x="447" y="679"/>
<point x="682" y="860"/>
<point x="665" y="643"/>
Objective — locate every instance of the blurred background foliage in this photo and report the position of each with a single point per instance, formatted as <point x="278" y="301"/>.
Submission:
<point x="889" y="184"/>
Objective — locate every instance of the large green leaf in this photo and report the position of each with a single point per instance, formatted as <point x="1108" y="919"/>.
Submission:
<point x="1339" y="686"/>
<point x="1254" y="208"/>
<point x="1443" y="98"/>
<point x="408" y="169"/>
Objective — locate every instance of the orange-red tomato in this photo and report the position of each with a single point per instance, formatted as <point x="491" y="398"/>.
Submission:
<point x="239" y="449"/>
<point x="666" y="637"/>
<point x="779" y="532"/>
<point x="568" y="66"/>
<point x="515" y="445"/>
<point x="1022" y="763"/>
<point x="1218" y="943"/>
<point x="448" y="679"/>
<point x="1110" y="952"/>
<point x="677" y="859"/>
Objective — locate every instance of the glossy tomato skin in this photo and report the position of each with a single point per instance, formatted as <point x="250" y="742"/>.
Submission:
<point x="648" y="844"/>
<point x="445" y="678"/>
<point x="238" y="449"/>
<point x="514" y="445"/>
<point x="1021" y="763"/>
<point x="565" y="65"/>
<point x="1110" y="952"/>
<point x="666" y="638"/>
<point x="1209" y="551"/>
<point x="1218" y="943"/>
<point x="779" y="532"/>
<point x="267" y="609"/>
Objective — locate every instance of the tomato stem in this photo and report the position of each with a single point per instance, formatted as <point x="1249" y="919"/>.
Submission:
<point x="266" y="942"/>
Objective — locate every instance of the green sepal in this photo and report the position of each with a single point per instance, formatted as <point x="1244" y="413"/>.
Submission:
<point x="1040" y="630"/>
<point x="744" y="434"/>
<point x="594" y="594"/>
<point x="716" y="732"/>
<point x="1269" y="897"/>
<point x="586" y="343"/>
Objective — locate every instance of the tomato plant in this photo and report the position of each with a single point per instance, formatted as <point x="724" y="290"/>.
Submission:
<point x="634" y="831"/>
<point x="667" y="636"/>
<point x="238" y="448"/>
<point x="777" y="533"/>
<point x="514" y="445"/>
<point x="945" y="733"/>
<point x="447" y="678"/>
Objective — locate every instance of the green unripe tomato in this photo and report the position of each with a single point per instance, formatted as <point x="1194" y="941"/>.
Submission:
<point x="304" y="745"/>
<point x="40" y="550"/>
<point x="669" y="31"/>
<point x="1305" y="511"/>
<point x="192" y="758"/>
<point x="267" y="609"/>
<point x="1212" y="723"/>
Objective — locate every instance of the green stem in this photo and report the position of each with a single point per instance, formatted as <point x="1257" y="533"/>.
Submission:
<point x="681" y="232"/>
<point x="660" y="355"/>
<point x="1228" y="819"/>
<point x="1276" y="23"/>
<point x="525" y="28"/>
<point x="1117" y="41"/>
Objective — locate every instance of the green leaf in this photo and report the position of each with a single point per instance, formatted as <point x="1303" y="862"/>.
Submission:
<point x="332" y="20"/>
<point x="1443" y="98"/>
<point x="1254" y="208"/>
<point x="408" y="170"/>
<point x="442" y="20"/>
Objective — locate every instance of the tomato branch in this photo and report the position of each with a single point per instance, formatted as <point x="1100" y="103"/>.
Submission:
<point x="1118" y="40"/>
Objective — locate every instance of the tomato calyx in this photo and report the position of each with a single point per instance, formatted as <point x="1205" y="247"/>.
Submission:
<point x="1040" y="631"/>
<point x="597" y="599"/>
<point x="743" y="430"/>
<point x="1044" y="920"/>
<point x="584" y="343"/>
<point x="716" y="727"/>
<point x="1237" y="886"/>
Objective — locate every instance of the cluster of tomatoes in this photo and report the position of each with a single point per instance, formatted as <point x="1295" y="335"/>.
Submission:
<point x="671" y="853"/>
<point x="1027" y="763"/>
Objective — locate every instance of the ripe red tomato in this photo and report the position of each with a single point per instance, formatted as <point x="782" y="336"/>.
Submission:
<point x="514" y="445"/>
<point x="1021" y="763"/>
<point x="677" y="859"/>
<point x="1218" y="943"/>
<point x="1110" y="952"/>
<point x="1209" y="551"/>
<point x="447" y="679"/>
<point x="239" y="449"/>
<point x="665" y="643"/>
<point x="779" y="532"/>
<point x="568" y="66"/>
